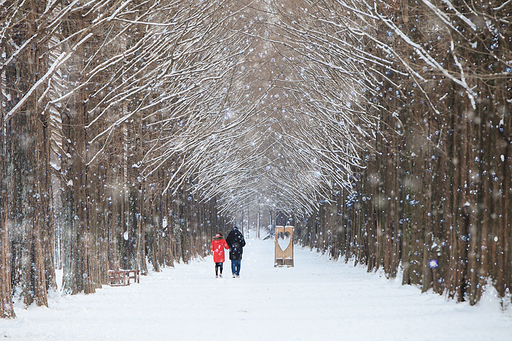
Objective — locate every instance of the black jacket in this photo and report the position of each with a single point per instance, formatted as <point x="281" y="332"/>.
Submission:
<point x="236" y="242"/>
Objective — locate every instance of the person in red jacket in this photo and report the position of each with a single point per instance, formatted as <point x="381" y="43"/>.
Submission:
<point x="218" y="246"/>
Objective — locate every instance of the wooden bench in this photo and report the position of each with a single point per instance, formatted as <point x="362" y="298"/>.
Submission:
<point x="122" y="277"/>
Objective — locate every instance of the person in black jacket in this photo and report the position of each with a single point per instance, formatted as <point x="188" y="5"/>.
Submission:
<point x="236" y="242"/>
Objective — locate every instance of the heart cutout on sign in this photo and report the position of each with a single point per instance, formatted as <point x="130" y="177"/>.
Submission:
<point x="283" y="240"/>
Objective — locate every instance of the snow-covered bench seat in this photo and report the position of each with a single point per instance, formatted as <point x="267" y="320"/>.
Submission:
<point x="122" y="277"/>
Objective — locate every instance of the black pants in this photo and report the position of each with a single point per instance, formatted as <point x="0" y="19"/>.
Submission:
<point x="217" y="267"/>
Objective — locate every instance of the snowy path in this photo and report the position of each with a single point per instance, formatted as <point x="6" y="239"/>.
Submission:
<point x="315" y="300"/>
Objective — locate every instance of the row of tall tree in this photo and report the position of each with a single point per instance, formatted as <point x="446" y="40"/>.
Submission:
<point x="91" y="94"/>
<point x="433" y="201"/>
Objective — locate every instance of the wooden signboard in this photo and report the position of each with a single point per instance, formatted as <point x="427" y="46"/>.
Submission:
<point x="284" y="246"/>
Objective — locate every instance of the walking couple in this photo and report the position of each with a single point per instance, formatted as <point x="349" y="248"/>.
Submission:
<point x="234" y="242"/>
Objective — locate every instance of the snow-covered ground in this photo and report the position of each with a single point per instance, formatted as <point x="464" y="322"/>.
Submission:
<point x="317" y="299"/>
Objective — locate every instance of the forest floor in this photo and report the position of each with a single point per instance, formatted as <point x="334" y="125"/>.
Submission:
<point x="318" y="299"/>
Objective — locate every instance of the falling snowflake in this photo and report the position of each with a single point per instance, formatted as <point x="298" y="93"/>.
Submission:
<point x="433" y="263"/>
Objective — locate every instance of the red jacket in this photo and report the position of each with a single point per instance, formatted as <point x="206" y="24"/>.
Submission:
<point x="218" y="246"/>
